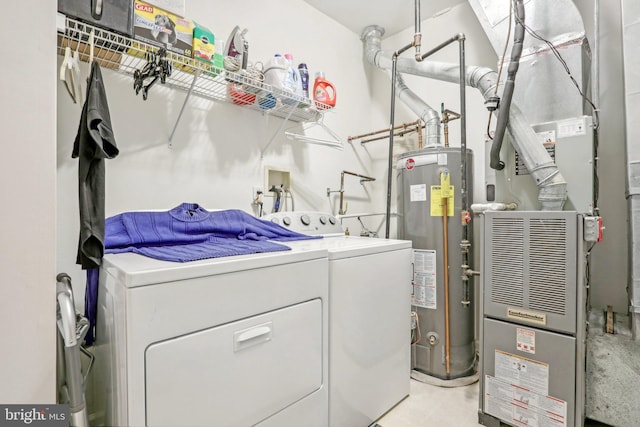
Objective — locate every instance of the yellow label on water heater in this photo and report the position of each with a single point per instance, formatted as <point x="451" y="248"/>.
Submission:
<point x="437" y="206"/>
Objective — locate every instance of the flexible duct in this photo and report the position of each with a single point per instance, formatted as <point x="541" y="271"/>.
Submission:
<point x="551" y="185"/>
<point x="507" y="93"/>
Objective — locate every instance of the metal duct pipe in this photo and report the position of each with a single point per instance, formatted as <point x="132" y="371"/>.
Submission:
<point x="507" y="93"/>
<point x="551" y="185"/>
<point x="630" y="45"/>
<point x="428" y="115"/>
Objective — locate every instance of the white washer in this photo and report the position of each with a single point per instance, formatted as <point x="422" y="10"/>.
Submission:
<point x="369" y="317"/>
<point x="233" y="341"/>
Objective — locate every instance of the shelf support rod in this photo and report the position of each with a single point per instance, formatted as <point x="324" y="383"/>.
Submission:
<point x="184" y="104"/>
<point x="273" y="137"/>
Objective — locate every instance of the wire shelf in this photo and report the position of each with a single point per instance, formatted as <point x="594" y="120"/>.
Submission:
<point x="125" y="55"/>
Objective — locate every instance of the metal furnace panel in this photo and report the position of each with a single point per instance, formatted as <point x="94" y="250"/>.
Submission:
<point x="528" y="375"/>
<point x="530" y="268"/>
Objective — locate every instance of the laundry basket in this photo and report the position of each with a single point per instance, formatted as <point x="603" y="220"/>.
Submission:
<point x="72" y="328"/>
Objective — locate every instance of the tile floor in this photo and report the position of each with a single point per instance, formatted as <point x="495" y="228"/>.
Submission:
<point x="429" y="405"/>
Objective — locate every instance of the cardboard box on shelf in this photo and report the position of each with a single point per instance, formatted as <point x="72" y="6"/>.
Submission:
<point x="203" y="43"/>
<point x="158" y="27"/>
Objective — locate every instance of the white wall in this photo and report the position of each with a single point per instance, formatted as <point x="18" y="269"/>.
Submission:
<point x="216" y="156"/>
<point x="27" y="219"/>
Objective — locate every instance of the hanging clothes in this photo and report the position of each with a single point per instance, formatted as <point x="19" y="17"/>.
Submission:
<point x="94" y="143"/>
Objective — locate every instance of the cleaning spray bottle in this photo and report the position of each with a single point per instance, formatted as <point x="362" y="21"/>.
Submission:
<point x="324" y="93"/>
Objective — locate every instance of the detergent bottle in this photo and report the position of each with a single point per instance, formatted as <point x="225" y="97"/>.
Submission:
<point x="275" y="72"/>
<point x="292" y="82"/>
<point x="324" y="93"/>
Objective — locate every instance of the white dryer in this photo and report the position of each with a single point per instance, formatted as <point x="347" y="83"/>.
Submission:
<point x="233" y="341"/>
<point x="369" y="317"/>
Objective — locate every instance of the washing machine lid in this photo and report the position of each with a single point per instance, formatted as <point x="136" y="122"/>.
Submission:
<point x="340" y="247"/>
<point x="134" y="270"/>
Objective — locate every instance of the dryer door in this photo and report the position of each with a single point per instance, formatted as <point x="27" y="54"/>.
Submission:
<point x="236" y="374"/>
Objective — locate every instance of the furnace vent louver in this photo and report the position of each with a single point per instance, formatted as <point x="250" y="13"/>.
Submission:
<point x="547" y="265"/>
<point x="507" y="258"/>
<point x="528" y="269"/>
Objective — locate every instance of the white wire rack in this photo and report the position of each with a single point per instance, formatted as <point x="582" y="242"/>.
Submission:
<point x="125" y="55"/>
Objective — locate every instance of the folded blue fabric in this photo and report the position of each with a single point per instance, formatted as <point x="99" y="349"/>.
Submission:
<point x="189" y="232"/>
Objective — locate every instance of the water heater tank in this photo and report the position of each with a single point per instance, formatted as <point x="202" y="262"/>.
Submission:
<point x="421" y="175"/>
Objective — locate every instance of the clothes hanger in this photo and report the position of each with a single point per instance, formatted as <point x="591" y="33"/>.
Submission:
<point x="75" y="72"/>
<point x="333" y="141"/>
<point x="66" y="74"/>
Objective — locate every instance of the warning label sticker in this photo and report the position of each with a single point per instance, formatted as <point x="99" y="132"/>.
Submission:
<point x="438" y="194"/>
<point x="524" y="407"/>
<point x="418" y="193"/>
<point x="522" y="372"/>
<point x="526" y="340"/>
<point x="424" y="279"/>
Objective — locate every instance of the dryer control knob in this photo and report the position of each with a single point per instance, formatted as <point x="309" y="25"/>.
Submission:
<point x="305" y="219"/>
<point x="323" y="220"/>
<point x="332" y="220"/>
<point x="275" y="220"/>
<point x="287" y="221"/>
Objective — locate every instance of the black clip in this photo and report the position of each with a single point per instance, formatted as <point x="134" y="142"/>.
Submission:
<point x="158" y="67"/>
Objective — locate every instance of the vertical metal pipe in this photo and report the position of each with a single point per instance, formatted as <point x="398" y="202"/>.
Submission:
<point x="417" y="16"/>
<point x="463" y="121"/>
<point x="394" y="61"/>
<point x="417" y="36"/>
<point x="341" y="211"/>
<point x="464" y="244"/>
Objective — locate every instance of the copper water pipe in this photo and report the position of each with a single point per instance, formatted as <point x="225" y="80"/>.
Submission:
<point x="445" y="227"/>
<point x="404" y="128"/>
<point x="448" y="116"/>
<point x="364" y="177"/>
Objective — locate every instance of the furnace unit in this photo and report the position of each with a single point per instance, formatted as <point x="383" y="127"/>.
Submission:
<point x="533" y="326"/>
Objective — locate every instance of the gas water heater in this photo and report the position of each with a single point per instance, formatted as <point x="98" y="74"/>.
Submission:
<point x="432" y="213"/>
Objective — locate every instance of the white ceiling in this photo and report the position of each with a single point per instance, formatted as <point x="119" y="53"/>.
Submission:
<point x="392" y="15"/>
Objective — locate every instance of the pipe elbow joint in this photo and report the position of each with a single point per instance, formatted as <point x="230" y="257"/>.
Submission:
<point x="461" y="36"/>
<point x="372" y="30"/>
